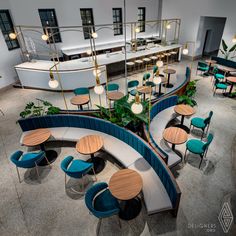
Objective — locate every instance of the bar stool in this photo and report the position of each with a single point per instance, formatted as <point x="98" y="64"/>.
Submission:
<point x="139" y="64"/>
<point x="130" y="66"/>
<point x="153" y="59"/>
<point x="146" y="61"/>
<point x="173" y="53"/>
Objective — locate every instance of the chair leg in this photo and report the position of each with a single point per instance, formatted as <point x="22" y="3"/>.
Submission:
<point x="99" y="226"/>
<point x="203" y="132"/>
<point x="82" y="180"/>
<point x="95" y="175"/>
<point x="185" y="154"/>
<point x="200" y="161"/>
<point x="37" y="171"/>
<point x="47" y="161"/>
<point x="65" y="180"/>
<point x="18" y="174"/>
<point x="119" y="221"/>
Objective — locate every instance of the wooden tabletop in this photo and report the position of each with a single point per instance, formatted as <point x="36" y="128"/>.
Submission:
<point x="175" y="135"/>
<point x="209" y="61"/>
<point x="169" y="71"/>
<point x="115" y="95"/>
<point x="184" y="110"/>
<point x="231" y="79"/>
<point x="226" y="68"/>
<point x="80" y="100"/>
<point x="89" y="144"/>
<point x="125" y="184"/>
<point x="144" y="89"/>
<point x="36" y="137"/>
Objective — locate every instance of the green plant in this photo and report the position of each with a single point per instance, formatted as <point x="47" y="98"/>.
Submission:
<point x="122" y="114"/>
<point x="40" y="109"/>
<point x="226" y="51"/>
<point x="189" y="94"/>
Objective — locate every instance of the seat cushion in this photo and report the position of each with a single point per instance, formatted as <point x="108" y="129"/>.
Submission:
<point x="155" y="195"/>
<point x="202" y="68"/>
<point x="219" y="76"/>
<point x="198" y="122"/>
<point x="221" y="86"/>
<point x="195" y="146"/>
<point x="105" y="202"/>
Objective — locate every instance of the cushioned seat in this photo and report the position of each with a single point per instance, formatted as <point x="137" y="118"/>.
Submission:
<point x="198" y="122"/>
<point x="153" y="190"/>
<point x="221" y="86"/>
<point x="133" y="92"/>
<point x="105" y="201"/>
<point x="219" y="76"/>
<point x="150" y="83"/>
<point x="79" y="166"/>
<point x="195" y="145"/>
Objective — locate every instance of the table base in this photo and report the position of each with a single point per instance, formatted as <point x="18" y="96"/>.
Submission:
<point x="130" y="209"/>
<point x="168" y="85"/>
<point x="229" y="95"/>
<point x="98" y="165"/>
<point x="51" y="156"/>
<point x="184" y="127"/>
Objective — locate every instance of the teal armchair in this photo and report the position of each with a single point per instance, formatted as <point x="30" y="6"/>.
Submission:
<point x="219" y="86"/>
<point x="203" y="67"/>
<point x="132" y="85"/>
<point x="198" y="147"/>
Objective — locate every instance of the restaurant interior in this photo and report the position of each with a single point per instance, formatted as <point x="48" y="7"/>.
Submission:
<point x="117" y="117"/>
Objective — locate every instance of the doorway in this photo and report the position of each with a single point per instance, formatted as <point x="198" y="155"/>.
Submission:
<point x="206" y="42"/>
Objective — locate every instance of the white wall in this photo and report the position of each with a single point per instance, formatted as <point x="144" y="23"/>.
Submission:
<point x="190" y="12"/>
<point x="7" y="58"/>
<point x="68" y="14"/>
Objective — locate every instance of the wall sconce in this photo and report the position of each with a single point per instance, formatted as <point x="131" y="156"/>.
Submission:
<point x="185" y="50"/>
<point x="168" y="26"/>
<point x="94" y="35"/>
<point x="234" y="39"/>
<point x="137" y="30"/>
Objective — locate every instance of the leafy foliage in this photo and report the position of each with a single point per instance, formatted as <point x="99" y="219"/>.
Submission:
<point x="225" y="50"/>
<point x="41" y="108"/>
<point x="189" y="94"/>
<point x="122" y="114"/>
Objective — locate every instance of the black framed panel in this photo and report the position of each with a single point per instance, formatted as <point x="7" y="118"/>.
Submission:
<point x="117" y="21"/>
<point x="87" y="21"/>
<point x="6" y="26"/>
<point x="141" y="18"/>
<point x="48" y="19"/>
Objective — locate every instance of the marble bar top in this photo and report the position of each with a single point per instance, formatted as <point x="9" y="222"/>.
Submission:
<point x="86" y="63"/>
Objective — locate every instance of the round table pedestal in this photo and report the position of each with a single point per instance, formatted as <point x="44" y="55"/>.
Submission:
<point x="130" y="209"/>
<point x="50" y="154"/>
<point x="98" y="164"/>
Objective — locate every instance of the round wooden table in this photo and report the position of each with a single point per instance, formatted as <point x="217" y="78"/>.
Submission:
<point x="169" y="72"/>
<point x="125" y="185"/>
<point x="39" y="137"/>
<point x="114" y="96"/>
<point x="80" y="100"/>
<point x="88" y="145"/>
<point x="144" y="90"/>
<point x="232" y="80"/>
<point x="175" y="136"/>
<point x="184" y="110"/>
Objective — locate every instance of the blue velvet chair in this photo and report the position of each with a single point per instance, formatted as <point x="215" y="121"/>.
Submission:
<point x="198" y="147"/>
<point x="146" y="77"/>
<point x="132" y="85"/>
<point x="202" y="66"/>
<point x="83" y="91"/>
<point x="112" y="87"/>
<point x="219" y="86"/>
<point x="27" y="160"/>
<point x="76" y="168"/>
<point x="202" y="123"/>
<point x="101" y="203"/>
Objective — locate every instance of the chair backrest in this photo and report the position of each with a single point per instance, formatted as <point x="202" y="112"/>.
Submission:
<point x="89" y="200"/>
<point x="155" y="69"/>
<point x="146" y="76"/>
<point x="81" y="91"/>
<point x="217" y="81"/>
<point x="209" y="140"/>
<point x="202" y="64"/>
<point x="215" y="70"/>
<point x="208" y="119"/>
<point x="133" y="83"/>
<point x="112" y="87"/>
<point x="30" y="163"/>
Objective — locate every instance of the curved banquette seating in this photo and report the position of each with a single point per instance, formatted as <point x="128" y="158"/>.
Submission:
<point x="160" y="190"/>
<point x="162" y="112"/>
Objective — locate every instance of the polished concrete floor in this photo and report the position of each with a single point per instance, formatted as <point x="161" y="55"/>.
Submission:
<point x="47" y="208"/>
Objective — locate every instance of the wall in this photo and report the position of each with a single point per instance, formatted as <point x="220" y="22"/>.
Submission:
<point x="190" y="12"/>
<point x="8" y="58"/>
<point x="68" y="14"/>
